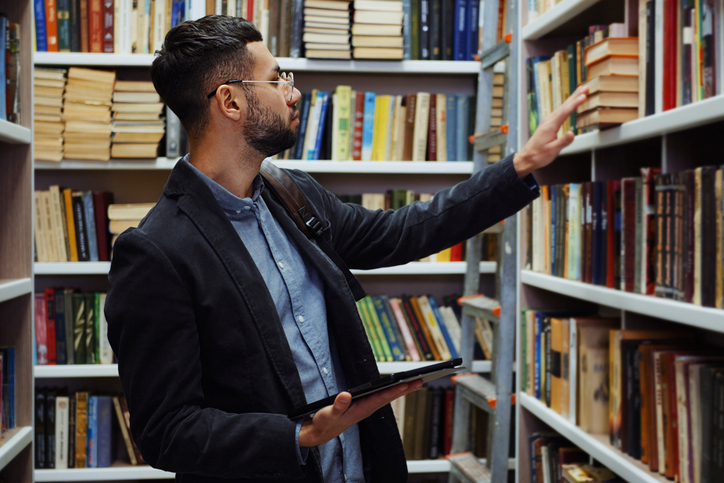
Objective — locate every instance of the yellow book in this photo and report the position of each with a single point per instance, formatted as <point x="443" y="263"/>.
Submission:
<point x="382" y="119"/>
<point x="341" y="119"/>
<point x="72" y="244"/>
<point x="444" y="255"/>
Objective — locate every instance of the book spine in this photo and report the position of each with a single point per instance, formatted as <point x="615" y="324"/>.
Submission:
<point x="432" y="129"/>
<point x="41" y="32"/>
<point x="424" y="37"/>
<point x="472" y="16"/>
<point x="103" y="431"/>
<point x="50" y="325"/>
<point x="95" y="26"/>
<point x="70" y="455"/>
<point x="64" y="35"/>
<point x="61" y="432"/>
<point x="368" y="126"/>
<point x="80" y="227"/>
<point x="60" y="332"/>
<point x="50" y="430"/>
<point x="398" y="354"/>
<point x="40" y="440"/>
<point x="460" y="40"/>
<point x="107" y="27"/>
<point x="79" y="348"/>
<point x="90" y="225"/>
<point x="89" y="329"/>
<point x="92" y="433"/>
<point x="69" y="324"/>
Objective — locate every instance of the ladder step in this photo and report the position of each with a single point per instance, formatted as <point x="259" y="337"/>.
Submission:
<point x="477" y="391"/>
<point x="483" y="142"/>
<point x="495" y="54"/>
<point x="481" y="306"/>
<point x="466" y="467"/>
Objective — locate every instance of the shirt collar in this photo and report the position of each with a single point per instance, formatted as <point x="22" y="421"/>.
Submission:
<point x="228" y="201"/>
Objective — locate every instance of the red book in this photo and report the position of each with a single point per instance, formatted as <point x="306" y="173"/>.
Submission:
<point x="449" y="413"/>
<point x="628" y="244"/>
<point x="41" y="330"/>
<point x="359" y="114"/>
<point x="250" y="10"/>
<point x="83" y="8"/>
<point x="456" y="253"/>
<point x="107" y="26"/>
<point x="689" y="192"/>
<point x="432" y="130"/>
<point x="95" y="25"/>
<point x="101" y="200"/>
<point x="51" y="25"/>
<point x="649" y="227"/>
<point x="611" y="233"/>
<point x="50" y="325"/>
<point x="417" y="330"/>
<point x="670" y="47"/>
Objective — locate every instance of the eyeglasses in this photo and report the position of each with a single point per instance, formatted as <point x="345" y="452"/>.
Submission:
<point x="286" y="83"/>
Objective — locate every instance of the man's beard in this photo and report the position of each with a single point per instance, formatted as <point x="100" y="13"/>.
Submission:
<point x="266" y="131"/>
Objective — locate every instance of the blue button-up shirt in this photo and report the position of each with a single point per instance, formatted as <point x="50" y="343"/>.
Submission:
<point x="298" y="294"/>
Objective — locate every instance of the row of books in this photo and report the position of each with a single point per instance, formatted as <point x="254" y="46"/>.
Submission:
<point x="656" y="393"/>
<point x="657" y="234"/>
<point x="607" y="61"/>
<point x="77" y="430"/>
<point x="366" y="126"/>
<point x="9" y="70"/>
<point x="425" y="420"/>
<point x="71" y="328"/>
<point x="554" y="459"/>
<point x="410" y="328"/>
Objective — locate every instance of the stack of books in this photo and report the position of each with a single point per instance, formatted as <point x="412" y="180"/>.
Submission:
<point x="326" y="29"/>
<point x="87" y="114"/>
<point x="612" y="67"/>
<point x="137" y="124"/>
<point x="125" y="216"/>
<point x="377" y="29"/>
<point x="48" y="108"/>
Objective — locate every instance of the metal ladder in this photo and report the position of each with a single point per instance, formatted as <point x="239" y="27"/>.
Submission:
<point x="492" y="395"/>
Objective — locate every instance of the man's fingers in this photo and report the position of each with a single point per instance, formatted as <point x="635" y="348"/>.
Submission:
<point x="341" y="403"/>
<point x="571" y="104"/>
<point x="562" y="142"/>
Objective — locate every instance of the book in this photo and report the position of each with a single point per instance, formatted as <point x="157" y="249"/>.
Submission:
<point x="626" y="46"/>
<point x="606" y="117"/>
<point x="614" y="65"/>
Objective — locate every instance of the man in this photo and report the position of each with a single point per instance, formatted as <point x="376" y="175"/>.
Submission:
<point x="225" y="317"/>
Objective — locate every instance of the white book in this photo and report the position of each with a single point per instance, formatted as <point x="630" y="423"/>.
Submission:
<point x="573" y="370"/>
<point x="106" y="352"/>
<point x="61" y="432"/>
<point x="422" y="112"/>
<point x="217" y="7"/>
<point x="453" y="327"/>
<point x="122" y="26"/>
<point x="159" y="24"/>
<point x="197" y="9"/>
<point x="659" y="56"/>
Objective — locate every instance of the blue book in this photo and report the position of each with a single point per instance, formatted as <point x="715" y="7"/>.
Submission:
<point x="41" y="34"/>
<point x="3" y="65"/>
<point x="306" y="101"/>
<point x="407" y="29"/>
<point x="463" y="126"/>
<point x="368" y="124"/>
<point x="554" y="203"/>
<point x="397" y="353"/>
<point x="103" y="430"/>
<point x="60" y="341"/>
<point x="460" y="39"/>
<point x="538" y="330"/>
<point x="92" y="434"/>
<point x="473" y="16"/>
<point x="324" y="97"/>
<point x="451" y="128"/>
<point x="443" y="327"/>
<point x="90" y="219"/>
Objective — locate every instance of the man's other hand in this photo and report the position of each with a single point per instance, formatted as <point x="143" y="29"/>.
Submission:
<point x="545" y="145"/>
<point x="331" y="421"/>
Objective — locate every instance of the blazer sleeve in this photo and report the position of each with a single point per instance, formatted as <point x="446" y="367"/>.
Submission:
<point x="152" y="329"/>
<point x="367" y="239"/>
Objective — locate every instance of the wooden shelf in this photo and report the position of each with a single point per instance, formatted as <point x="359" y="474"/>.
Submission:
<point x="679" y="119"/>
<point x="366" y="167"/>
<point x="554" y="17"/>
<point x="286" y="63"/>
<point x="117" y="472"/>
<point x="413" y="268"/>
<point x="10" y="289"/>
<point x="596" y="445"/>
<point x="689" y="314"/>
<point x="13" y="442"/>
<point x="12" y="133"/>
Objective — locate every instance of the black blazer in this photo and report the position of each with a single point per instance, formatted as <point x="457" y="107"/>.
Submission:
<point x="202" y="357"/>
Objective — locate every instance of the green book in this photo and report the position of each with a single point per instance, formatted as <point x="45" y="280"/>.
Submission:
<point x="386" y="352"/>
<point x="90" y="331"/>
<point x="79" y="317"/>
<point x="371" y="334"/>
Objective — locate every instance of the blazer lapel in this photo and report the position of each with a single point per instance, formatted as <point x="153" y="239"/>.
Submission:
<point x="201" y="207"/>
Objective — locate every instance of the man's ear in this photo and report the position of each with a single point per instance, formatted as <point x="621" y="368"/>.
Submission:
<point x="228" y="102"/>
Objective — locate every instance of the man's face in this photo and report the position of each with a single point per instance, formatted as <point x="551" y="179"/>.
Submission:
<point x="271" y="122"/>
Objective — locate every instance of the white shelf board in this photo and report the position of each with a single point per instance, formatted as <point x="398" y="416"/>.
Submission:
<point x="13" y="442"/>
<point x="12" y="133"/>
<point x="427" y="268"/>
<point x="76" y="370"/>
<point x="392" y="367"/>
<point x="72" y="268"/>
<point x="554" y="17"/>
<point x="10" y="289"/>
<point x="117" y="472"/>
<point x="689" y="314"/>
<point x="286" y="63"/>
<point x="596" y="445"/>
<point x="440" y="465"/>
<point x="678" y="119"/>
<point x="367" y="167"/>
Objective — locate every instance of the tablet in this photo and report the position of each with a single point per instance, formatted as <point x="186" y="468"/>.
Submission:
<point x="426" y="373"/>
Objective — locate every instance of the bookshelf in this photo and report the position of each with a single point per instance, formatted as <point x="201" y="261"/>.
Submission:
<point x="16" y="257"/>
<point x="672" y="140"/>
<point x="143" y="181"/>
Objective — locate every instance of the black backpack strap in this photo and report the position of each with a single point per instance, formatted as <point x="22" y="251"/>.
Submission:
<point x="294" y="201"/>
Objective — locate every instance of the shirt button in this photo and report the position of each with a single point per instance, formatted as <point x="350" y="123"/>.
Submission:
<point x="301" y="318"/>
<point x="247" y="208"/>
<point x="324" y="369"/>
<point x="238" y="211"/>
<point x="281" y="265"/>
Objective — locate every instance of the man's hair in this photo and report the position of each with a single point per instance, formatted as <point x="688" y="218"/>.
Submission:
<point x="198" y="56"/>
